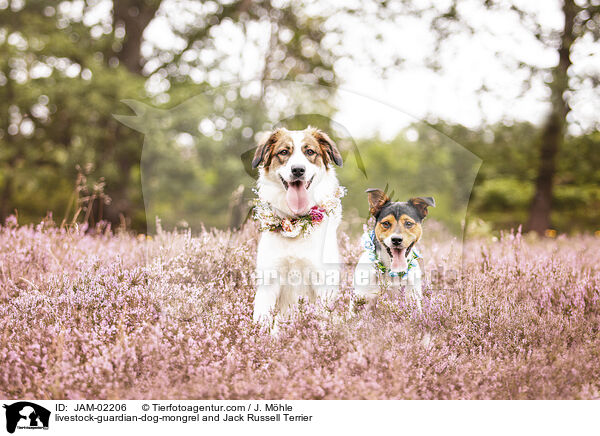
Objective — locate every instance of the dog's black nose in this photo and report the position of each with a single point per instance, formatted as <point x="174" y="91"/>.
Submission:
<point x="298" y="171"/>
<point x="396" y="240"/>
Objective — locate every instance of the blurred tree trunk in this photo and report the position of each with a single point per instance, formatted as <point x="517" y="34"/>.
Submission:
<point x="5" y="198"/>
<point x="134" y="16"/>
<point x="7" y="173"/>
<point x="553" y="133"/>
<point x="237" y="208"/>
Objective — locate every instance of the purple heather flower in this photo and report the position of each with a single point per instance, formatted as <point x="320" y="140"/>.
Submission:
<point x="106" y="315"/>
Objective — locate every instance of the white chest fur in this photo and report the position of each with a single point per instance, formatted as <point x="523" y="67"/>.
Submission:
<point x="290" y="268"/>
<point x="368" y="283"/>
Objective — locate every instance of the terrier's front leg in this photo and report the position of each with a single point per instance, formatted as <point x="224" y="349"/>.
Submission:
<point x="413" y="290"/>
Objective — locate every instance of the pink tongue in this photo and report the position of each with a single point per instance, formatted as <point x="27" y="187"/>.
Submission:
<point x="297" y="197"/>
<point x="399" y="263"/>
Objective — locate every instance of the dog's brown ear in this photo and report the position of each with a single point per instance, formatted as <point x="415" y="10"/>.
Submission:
<point x="421" y="204"/>
<point x="328" y="146"/>
<point x="377" y="199"/>
<point x="262" y="151"/>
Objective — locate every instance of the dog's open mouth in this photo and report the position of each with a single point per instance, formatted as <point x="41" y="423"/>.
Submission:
<point x="399" y="256"/>
<point x="296" y="195"/>
<point x="297" y="183"/>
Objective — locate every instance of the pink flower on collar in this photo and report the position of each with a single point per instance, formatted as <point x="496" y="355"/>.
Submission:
<point x="317" y="214"/>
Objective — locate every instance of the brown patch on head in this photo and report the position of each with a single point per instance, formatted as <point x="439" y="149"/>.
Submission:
<point x="421" y="204"/>
<point x="263" y="148"/>
<point x="313" y="150"/>
<point x="409" y="229"/>
<point x="385" y="227"/>
<point x="377" y="199"/>
<point x="274" y="151"/>
<point x="327" y="148"/>
<point x="280" y="152"/>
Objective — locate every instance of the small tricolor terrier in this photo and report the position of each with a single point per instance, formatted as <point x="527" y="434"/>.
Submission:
<point x="390" y="258"/>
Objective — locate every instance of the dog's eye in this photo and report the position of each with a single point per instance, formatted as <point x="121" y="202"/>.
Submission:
<point x="310" y="152"/>
<point x="283" y="152"/>
<point x="408" y="224"/>
<point x="385" y="225"/>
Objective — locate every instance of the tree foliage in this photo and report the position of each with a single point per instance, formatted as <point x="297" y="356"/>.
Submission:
<point x="66" y="67"/>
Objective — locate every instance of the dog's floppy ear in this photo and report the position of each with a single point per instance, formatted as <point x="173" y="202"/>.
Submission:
<point x="263" y="148"/>
<point x="377" y="199"/>
<point x="328" y="146"/>
<point x="421" y="204"/>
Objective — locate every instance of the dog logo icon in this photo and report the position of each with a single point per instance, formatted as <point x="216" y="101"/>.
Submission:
<point x="26" y="415"/>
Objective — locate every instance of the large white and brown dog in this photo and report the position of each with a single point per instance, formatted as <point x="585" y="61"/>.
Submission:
<point x="298" y="210"/>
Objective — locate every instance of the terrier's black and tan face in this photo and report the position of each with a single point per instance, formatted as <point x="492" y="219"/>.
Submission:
<point x="398" y="225"/>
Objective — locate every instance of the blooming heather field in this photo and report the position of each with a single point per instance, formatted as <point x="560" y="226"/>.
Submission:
<point x="114" y="316"/>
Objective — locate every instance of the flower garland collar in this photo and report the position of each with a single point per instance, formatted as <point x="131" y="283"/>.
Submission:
<point x="368" y="243"/>
<point x="269" y="220"/>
